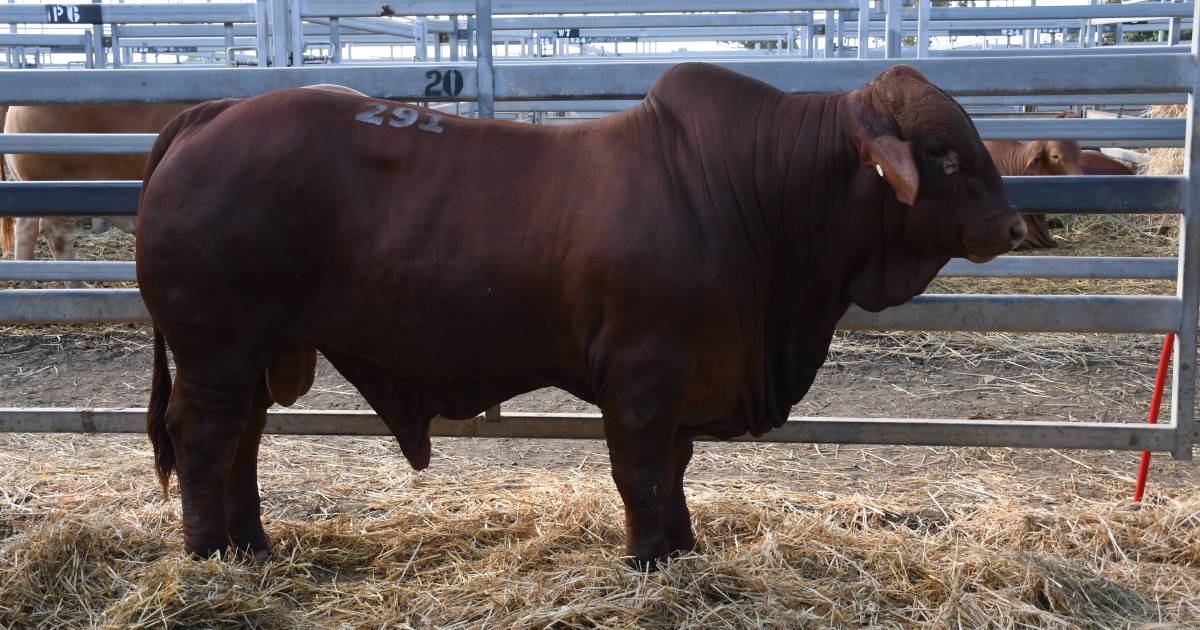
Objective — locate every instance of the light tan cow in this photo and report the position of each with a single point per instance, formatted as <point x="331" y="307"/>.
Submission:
<point x="20" y="235"/>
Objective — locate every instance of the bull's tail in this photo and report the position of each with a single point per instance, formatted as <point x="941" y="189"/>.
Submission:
<point x="160" y="384"/>
<point x="156" y="413"/>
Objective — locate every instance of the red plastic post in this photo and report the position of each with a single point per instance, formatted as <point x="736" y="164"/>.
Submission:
<point x="1155" y="401"/>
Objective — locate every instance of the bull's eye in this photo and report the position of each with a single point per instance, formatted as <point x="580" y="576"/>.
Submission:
<point x="945" y="160"/>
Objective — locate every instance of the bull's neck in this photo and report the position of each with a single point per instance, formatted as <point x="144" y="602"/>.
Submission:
<point x="817" y="171"/>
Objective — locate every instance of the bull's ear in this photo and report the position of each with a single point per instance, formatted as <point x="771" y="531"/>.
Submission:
<point x="893" y="158"/>
<point x="1033" y="155"/>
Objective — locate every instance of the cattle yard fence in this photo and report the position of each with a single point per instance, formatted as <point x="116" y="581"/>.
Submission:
<point x="1168" y="74"/>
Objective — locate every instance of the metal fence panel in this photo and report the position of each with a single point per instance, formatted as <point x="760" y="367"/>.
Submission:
<point x="1011" y="433"/>
<point x="571" y="79"/>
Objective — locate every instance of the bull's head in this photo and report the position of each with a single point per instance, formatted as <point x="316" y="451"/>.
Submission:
<point x="949" y="199"/>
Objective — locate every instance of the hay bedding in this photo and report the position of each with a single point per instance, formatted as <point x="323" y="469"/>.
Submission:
<point x="789" y="537"/>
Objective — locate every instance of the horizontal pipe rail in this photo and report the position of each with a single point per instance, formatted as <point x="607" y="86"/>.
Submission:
<point x="364" y="8"/>
<point x="76" y="142"/>
<point x="1083" y="194"/>
<point x="1002" y="313"/>
<point x="1025" y="313"/>
<point x="1126" y="130"/>
<point x="1090" y="267"/>
<point x="183" y="13"/>
<point x="1106" y="194"/>
<point x="571" y="79"/>
<point x="917" y="432"/>
<point x="999" y="76"/>
<point x="81" y="270"/>
<point x="1134" y="10"/>
<point x="1084" y="267"/>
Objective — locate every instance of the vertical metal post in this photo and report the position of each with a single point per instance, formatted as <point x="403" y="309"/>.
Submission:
<point x="16" y="56"/>
<point x="1035" y="34"/>
<point x="115" y="44"/>
<point x="419" y="39"/>
<point x="295" y="32"/>
<point x="810" y="36"/>
<point x="470" y="38"/>
<point x="335" y="40"/>
<point x="828" y="34"/>
<point x="454" y="38"/>
<point x="98" y="42"/>
<point x="840" y="43"/>
<point x="1173" y="32"/>
<point x="1183" y="392"/>
<point x="892" y="26"/>
<point x="864" y="28"/>
<point x="262" y="45"/>
<point x="279" y="30"/>
<point x="483" y="66"/>
<point x="923" y="28"/>
<point x="230" y="42"/>
<point x="89" y="57"/>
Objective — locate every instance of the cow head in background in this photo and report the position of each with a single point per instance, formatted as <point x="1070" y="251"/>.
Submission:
<point x="1053" y="157"/>
<point x="949" y="199"/>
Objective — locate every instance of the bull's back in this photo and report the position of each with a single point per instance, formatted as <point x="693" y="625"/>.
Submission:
<point x="342" y="215"/>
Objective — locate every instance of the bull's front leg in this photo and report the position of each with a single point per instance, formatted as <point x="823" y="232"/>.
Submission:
<point x="677" y="520"/>
<point x="641" y="449"/>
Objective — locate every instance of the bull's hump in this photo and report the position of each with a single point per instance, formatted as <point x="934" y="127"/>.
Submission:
<point x="696" y="85"/>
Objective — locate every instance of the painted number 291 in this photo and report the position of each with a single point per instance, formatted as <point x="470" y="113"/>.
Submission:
<point x="400" y="117"/>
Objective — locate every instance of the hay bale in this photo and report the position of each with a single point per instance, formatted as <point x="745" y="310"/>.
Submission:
<point x="1165" y="160"/>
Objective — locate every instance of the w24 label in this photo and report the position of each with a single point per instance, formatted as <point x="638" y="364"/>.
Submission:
<point x="399" y="117"/>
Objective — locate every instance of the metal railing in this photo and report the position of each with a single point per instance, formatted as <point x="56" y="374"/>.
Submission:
<point x="1151" y="74"/>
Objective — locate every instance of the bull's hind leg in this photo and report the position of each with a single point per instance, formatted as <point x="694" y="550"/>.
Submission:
<point x="243" y="511"/>
<point x="206" y="419"/>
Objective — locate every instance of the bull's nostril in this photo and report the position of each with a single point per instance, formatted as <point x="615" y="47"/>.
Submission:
<point x="1017" y="232"/>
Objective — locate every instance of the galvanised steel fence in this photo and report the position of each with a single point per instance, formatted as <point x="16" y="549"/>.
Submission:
<point x="1164" y="75"/>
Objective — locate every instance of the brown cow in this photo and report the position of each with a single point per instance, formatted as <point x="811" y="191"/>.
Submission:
<point x="1042" y="157"/>
<point x="681" y="264"/>
<point x="1096" y="163"/>
<point x="21" y="234"/>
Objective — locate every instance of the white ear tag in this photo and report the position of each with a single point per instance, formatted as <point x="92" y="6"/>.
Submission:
<point x="879" y="169"/>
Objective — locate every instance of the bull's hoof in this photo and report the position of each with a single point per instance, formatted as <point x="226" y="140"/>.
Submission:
<point x="204" y="551"/>
<point x="648" y="556"/>
<point x="253" y="545"/>
<point x="682" y="544"/>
